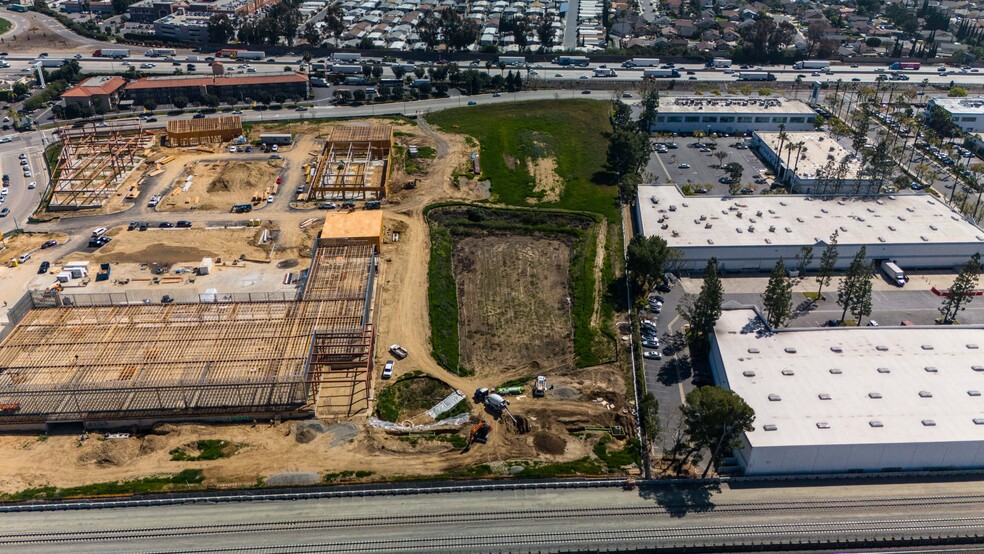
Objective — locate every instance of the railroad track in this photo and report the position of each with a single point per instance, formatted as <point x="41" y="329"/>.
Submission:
<point x="736" y="535"/>
<point x="446" y="520"/>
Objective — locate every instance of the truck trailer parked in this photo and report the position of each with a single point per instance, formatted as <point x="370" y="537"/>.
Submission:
<point x="641" y="62"/>
<point x="812" y="64"/>
<point x="347" y="57"/>
<point x="894" y="273"/>
<point x="344" y="69"/>
<point x="577" y="61"/>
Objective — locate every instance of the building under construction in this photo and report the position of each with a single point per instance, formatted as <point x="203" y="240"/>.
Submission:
<point x="94" y="162"/>
<point x="127" y="366"/>
<point x="205" y="130"/>
<point x="354" y="164"/>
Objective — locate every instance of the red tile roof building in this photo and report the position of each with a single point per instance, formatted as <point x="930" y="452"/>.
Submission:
<point x="96" y="92"/>
<point x="163" y="90"/>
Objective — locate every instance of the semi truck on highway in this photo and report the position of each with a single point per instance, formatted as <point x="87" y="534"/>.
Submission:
<point x="159" y="52"/>
<point x="344" y="69"/>
<point x="641" y="62"/>
<point x="719" y="63"/>
<point x="512" y="60"/>
<point x="112" y="53"/>
<point x="894" y="273"/>
<point x="756" y="76"/>
<point x="656" y="73"/>
<point x="905" y="65"/>
<point x="50" y="62"/>
<point x="347" y="57"/>
<point x="605" y="72"/>
<point x="250" y="55"/>
<point x="812" y="64"/>
<point x="577" y="61"/>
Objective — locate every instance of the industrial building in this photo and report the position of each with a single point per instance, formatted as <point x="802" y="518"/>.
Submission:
<point x="967" y="113"/>
<point x="191" y="132"/>
<point x="183" y="26"/>
<point x="813" y="162"/>
<point x="94" y="162"/>
<point x="344" y="228"/>
<point x="750" y="233"/>
<point x="830" y="400"/>
<point x="688" y="114"/>
<point x="354" y="164"/>
<point x="100" y="361"/>
<point x="164" y="90"/>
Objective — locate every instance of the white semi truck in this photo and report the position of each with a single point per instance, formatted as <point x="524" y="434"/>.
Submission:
<point x="578" y="61"/>
<point x="656" y="73"/>
<point x="812" y="64"/>
<point x="641" y="62"/>
<point x="719" y="63"/>
<point x="894" y="273"/>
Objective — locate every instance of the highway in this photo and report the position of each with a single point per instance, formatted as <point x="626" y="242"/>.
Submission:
<point x="518" y="520"/>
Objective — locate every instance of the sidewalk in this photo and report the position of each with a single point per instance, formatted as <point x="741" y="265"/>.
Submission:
<point x="757" y="283"/>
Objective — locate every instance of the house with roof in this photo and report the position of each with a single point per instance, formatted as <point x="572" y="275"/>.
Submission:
<point x="100" y="93"/>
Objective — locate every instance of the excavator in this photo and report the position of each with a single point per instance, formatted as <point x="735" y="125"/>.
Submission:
<point x="479" y="434"/>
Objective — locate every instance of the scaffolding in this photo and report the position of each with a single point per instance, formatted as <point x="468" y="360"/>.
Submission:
<point x="94" y="162"/>
<point x="137" y="364"/>
<point x="192" y="132"/>
<point x="354" y="164"/>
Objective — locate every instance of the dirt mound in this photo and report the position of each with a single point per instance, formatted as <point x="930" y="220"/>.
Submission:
<point x="292" y="478"/>
<point x="548" y="443"/>
<point x="109" y="452"/>
<point x="152" y="443"/>
<point x="563" y="392"/>
<point x="307" y="431"/>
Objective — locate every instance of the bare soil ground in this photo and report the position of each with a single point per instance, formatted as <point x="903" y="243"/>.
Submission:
<point x="544" y="172"/>
<point x="174" y="245"/>
<point x="12" y="247"/>
<point x="38" y="38"/>
<point x="513" y="302"/>
<point x="220" y="184"/>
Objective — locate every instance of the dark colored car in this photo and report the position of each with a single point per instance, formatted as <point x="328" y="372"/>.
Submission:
<point x="151" y="120"/>
<point x="184" y="224"/>
<point x="43" y="268"/>
<point x="48" y="244"/>
<point x="348" y="205"/>
<point x="663" y="287"/>
<point x="198" y="115"/>
<point x="133" y="225"/>
<point x="166" y="225"/>
<point x="143" y="227"/>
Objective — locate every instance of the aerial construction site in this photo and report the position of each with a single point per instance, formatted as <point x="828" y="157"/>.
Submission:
<point x="298" y="333"/>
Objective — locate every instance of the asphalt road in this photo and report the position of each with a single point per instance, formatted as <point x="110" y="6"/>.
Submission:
<point x="888" y="307"/>
<point x="540" y="520"/>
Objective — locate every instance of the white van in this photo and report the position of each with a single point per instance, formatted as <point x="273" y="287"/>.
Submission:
<point x="99" y="232"/>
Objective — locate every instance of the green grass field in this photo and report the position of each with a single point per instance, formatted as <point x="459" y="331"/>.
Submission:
<point x="573" y="132"/>
<point x="5" y="25"/>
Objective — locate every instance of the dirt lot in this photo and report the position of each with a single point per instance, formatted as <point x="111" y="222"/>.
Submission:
<point x="514" y="310"/>
<point x="219" y="184"/>
<point x="172" y="245"/>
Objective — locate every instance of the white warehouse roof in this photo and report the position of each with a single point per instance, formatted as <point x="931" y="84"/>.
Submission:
<point x="733" y="105"/>
<point x="854" y="386"/>
<point x="722" y="221"/>
<point x="962" y="106"/>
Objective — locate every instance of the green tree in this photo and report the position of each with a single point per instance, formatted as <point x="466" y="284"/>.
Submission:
<point x="220" y="28"/>
<point x="211" y="100"/>
<point x="621" y="115"/>
<point x="628" y="151"/>
<point x="962" y="289"/>
<point x="861" y="307"/>
<point x="957" y="92"/>
<point x="803" y="258"/>
<point x="851" y="288"/>
<point x="778" y="296"/>
<point x="180" y="102"/>
<point x="828" y="259"/>
<point x="649" y="414"/>
<point x="545" y="31"/>
<point x="714" y="420"/>
<point x="20" y="89"/>
<point x="647" y="258"/>
<point x="150" y="104"/>
<point x="334" y="22"/>
<point x="707" y="306"/>
<point x="650" y="108"/>
<point x="941" y="122"/>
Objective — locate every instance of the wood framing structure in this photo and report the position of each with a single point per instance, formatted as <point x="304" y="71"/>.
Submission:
<point x="205" y="130"/>
<point x="355" y="164"/>
<point x="94" y="162"/>
<point x="138" y="364"/>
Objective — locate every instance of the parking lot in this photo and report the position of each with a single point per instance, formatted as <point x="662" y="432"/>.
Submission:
<point x="697" y="167"/>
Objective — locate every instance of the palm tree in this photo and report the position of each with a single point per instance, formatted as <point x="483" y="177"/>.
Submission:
<point x="790" y="146"/>
<point x="799" y="154"/>
<point x="782" y="139"/>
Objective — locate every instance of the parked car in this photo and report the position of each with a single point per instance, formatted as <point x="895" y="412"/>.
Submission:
<point x="652" y="355"/>
<point x="184" y="224"/>
<point x="32" y="185"/>
<point x="4" y="212"/>
<point x="684" y="166"/>
<point x="165" y="225"/>
<point x="48" y="244"/>
<point x="327" y="206"/>
<point x="23" y="258"/>
<point x="43" y="268"/>
<point x="388" y="369"/>
<point x="650" y="343"/>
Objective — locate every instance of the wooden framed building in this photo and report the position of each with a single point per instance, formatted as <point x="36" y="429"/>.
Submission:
<point x="355" y="164"/>
<point x="205" y="130"/>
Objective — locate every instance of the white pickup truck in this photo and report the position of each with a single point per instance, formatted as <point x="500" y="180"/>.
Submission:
<point x="399" y="351"/>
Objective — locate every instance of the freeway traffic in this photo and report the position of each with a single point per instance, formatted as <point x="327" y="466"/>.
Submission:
<point x="580" y="519"/>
